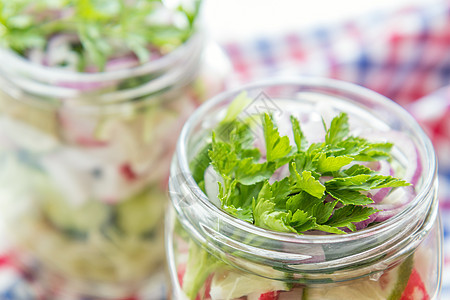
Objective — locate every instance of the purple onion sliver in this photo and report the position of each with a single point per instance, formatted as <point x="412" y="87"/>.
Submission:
<point x="388" y="210"/>
<point x="373" y="165"/>
<point x="385" y="168"/>
<point x="363" y="224"/>
<point x="84" y="86"/>
<point x="387" y="214"/>
<point x="119" y="63"/>
<point x="378" y="195"/>
<point x="416" y="175"/>
<point x="280" y="173"/>
<point x="324" y="179"/>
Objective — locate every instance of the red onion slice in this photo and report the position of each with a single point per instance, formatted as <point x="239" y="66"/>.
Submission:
<point x="401" y="141"/>
<point x="378" y="195"/>
<point x="394" y="203"/>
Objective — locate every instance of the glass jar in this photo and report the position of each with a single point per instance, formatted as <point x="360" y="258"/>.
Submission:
<point x="227" y="258"/>
<point x="84" y="164"/>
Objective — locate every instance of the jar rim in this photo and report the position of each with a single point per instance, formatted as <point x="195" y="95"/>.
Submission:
<point x="32" y="82"/>
<point x="9" y="57"/>
<point x="311" y="82"/>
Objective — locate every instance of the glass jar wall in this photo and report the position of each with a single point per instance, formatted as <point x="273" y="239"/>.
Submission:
<point x="84" y="161"/>
<point x="212" y="255"/>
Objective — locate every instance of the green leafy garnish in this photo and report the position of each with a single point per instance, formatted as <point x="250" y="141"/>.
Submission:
<point x="200" y="265"/>
<point x="326" y="189"/>
<point x="277" y="147"/>
<point x="98" y="29"/>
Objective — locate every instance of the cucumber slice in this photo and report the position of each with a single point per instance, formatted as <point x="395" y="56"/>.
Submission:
<point x="231" y="284"/>
<point x="75" y="219"/>
<point x="141" y="213"/>
<point x="388" y="287"/>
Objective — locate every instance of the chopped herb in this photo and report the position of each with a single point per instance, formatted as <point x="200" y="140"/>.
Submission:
<point x="325" y="188"/>
<point x="102" y="28"/>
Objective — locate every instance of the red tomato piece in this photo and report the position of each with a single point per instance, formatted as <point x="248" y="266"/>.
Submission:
<point x="269" y="296"/>
<point x="415" y="289"/>
<point x="128" y="172"/>
<point x="180" y="273"/>
<point x="90" y="142"/>
<point x="207" y="294"/>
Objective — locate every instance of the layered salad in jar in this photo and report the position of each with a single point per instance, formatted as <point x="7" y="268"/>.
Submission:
<point x="93" y="94"/>
<point x="312" y="171"/>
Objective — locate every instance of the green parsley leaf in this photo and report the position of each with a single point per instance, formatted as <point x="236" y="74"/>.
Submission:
<point x="345" y="216"/>
<point x="322" y="211"/>
<point x="349" y="197"/>
<point x="249" y="172"/>
<point x="306" y="182"/>
<point x="299" y="137"/>
<point x="231" y="122"/>
<point x="364" y="182"/>
<point x="223" y="158"/>
<point x="267" y="217"/>
<point x="374" y="152"/>
<point x="236" y="107"/>
<point x="281" y="189"/>
<point x="200" y="163"/>
<point x="302" y="201"/>
<point x="329" y="229"/>
<point x="277" y="147"/>
<point x="305" y="161"/>
<point x="331" y="163"/>
<point x="356" y="170"/>
<point x="302" y="221"/>
<point x="237" y="199"/>
<point x="338" y="130"/>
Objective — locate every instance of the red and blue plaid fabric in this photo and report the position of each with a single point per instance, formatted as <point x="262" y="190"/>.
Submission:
<point x="403" y="55"/>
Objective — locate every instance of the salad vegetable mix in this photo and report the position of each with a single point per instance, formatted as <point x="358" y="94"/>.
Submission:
<point x="92" y="35"/>
<point x="264" y="170"/>
<point x="85" y="147"/>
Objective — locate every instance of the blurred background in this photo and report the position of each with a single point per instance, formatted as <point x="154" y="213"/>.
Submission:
<point x="399" y="48"/>
<point x="237" y="21"/>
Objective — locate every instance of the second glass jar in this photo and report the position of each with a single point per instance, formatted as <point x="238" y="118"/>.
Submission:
<point x="84" y="161"/>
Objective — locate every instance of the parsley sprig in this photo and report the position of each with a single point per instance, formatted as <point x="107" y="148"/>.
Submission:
<point x="103" y="27"/>
<point x="304" y="200"/>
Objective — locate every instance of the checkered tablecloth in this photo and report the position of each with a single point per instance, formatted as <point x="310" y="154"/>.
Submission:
<point x="404" y="55"/>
